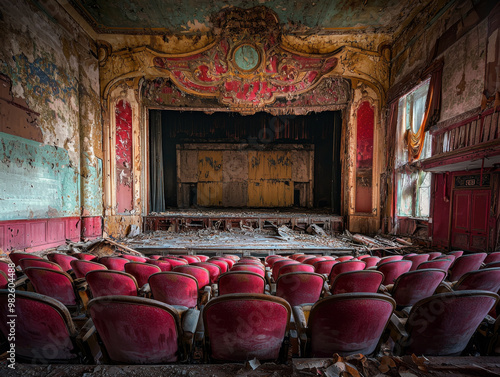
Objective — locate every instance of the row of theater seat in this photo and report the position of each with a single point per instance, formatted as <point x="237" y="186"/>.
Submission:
<point x="181" y="285"/>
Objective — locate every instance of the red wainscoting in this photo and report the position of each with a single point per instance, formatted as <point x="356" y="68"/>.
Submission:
<point x="91" y="227"/>
<point x="38" y="234"/>
<point x="441" y="214"/>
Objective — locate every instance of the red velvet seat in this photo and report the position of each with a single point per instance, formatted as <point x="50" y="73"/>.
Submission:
<point x="390" y="258"/>
<point x="55" y="284"/>
<point x="43" y="263"/>
<point x="492" y="265"/>
<point x="174" y="288"/>
<point x="300" y="287"/>
<point x="249" y="261"/>
<point x="367" y="281"/>
<point x="273" y="258"/>
<point x="45" y="332"/>
<point x="394" y="269"/>
<point x="442" y="324"/>
<point x="16" y="256"/>
<point x="487" y="279"/>
<point x="416" y="260"/>
<point x="241" y="282"/>
<point x="174" y="262"/>
<point x="456" y="253"/>
<point x="201" y="274"/>
<point x="203" y="258"/>
<point x="213" y="269"/>
<point x="224" y="266"/>
<point x="361" y="257"/>
<point x="191" y="258"/>
<point x="249" y="267"/>
<point x="86" y="256"/>
<point x="434" y="255"/>
<point x="277" y="265"/>
<point x="4" y="266"/>
<point x="81" y="267"/>
<point x="141" y="271"/>
<point x="295" y="256"/>
<point x="492" y="257"/>
<point x="303" y="258"/>
<point x="114" y="263"/>
<point x="414" y="286"/>
<point x="62" y="260"/>
<point x="301" y="267"/>
<point x="111" y="283"/>
<point x="4" y="280"/>
<point x="240" y="327"/>
<point x="324" y="267"/>
<point x="341" y="267"/>
<point x="444" y="256"/>
<point x="464" y="264"/>
<point x="136" y="330"/>
<point x="440" y="264"/>
<point x="155" y="256"/>
<point x="344" y="258"/>
<point x="229" y="261"/>
<point x="347" y="324"/>
<point x="164" y="265"/>
<point x="311" y="261"/>
<point x="371" y="261"/>
<point x="134" y="258"/>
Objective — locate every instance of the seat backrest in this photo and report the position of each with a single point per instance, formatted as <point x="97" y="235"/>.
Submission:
<point x="271" y="259"/>
<point x="348" y="323"/>
<point x="370" y="261"/>
<point x="134" y="258"/>
<point x="229" y="261"/>
<point x="141" y="271"/>
<point x="295" y="256"/>
<point x="241" y="327"/>
<point x="434" y="255"/>
<point x="367" y="281"/>
<point x="300" y="287"/>
<point x="361" y="257"/>
<point x="277" y="265"/>
<point x="440" y="264"/>
<point x="416" y="260"/>
<point x="203" y="258"/>
<point x="136" y="330"/>
<point x="350" y="265"/>
<point x="414" y="286"/>
<point x="344" y="258"/>
<point x="114" y="263"/>
<point x="29" y="262"/>
<point x="492" y="265"/>
<point x="4" y="266"/>
<point x="52" y="283"/>
<point x="311" y="261"/>
<point x="394" y="269"/>
<point x="174" y="262"/>
<point x="191" y="258"/>
<point x="174" y="288"/>
<point x="302" y="258"/>
<point x="81" y="267"/>
<point x="62" y="260"/>
<point x="457" y="253"/>
<point x="446" y="256"/>
<point x="487" y="279"/>
<point x="249" y="267"/>
<point x="324" y="266"/>
<point x="241" y="282"/>
<point x="44" y="328"/>
<point x="111" y="283"/>
<point x="213" y="269"/>
<point x="224" y="266"/>
<point x="300" y="267"/>
<point x="200" y="273"/>
<point x="444" y="323"/>
<point x="390" y="258"/>
<point x="464" y="264"/>
<point x="4" y="280"/>
<point x="163" y="264"/>
<point x="15" y="257"/>
<point x="492" y="257"/>
<point x="86" y="256"/>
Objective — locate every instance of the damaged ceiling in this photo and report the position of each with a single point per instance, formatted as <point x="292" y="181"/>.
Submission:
<point x="197" y="16"/>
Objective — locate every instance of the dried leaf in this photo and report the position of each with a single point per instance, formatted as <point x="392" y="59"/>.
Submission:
<point x="352" y="370"/>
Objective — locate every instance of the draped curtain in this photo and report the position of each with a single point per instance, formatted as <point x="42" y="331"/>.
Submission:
<point x="156" y="163"/>
<point x="416" y="140"/>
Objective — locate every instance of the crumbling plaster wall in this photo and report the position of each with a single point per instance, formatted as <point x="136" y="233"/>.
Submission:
<point x="50" y="66"/>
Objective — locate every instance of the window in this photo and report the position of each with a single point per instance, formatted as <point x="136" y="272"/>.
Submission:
<point x="413" y="184"/>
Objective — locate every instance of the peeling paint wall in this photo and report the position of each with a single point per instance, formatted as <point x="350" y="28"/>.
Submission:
<point x="51" y="135"/>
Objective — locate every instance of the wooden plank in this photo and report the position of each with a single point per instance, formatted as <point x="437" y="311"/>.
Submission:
<point x="495" y="126"/>
<point x="467" y="135"/>
<point x="452" y="139"/>
<point x="478" y="132"/>
<point x="473" y="128"/>
<point x="209" y="193"/>
<point x="487" y="126"/>
<point x="461" y="137"/>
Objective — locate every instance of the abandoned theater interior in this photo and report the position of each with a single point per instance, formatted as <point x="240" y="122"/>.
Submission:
<point x="265" y="188"/>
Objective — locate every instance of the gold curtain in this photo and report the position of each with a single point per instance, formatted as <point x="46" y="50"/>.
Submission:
<point x="415" y="141"/>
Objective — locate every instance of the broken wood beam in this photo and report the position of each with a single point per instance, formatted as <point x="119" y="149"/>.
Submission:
<point x="123" y="247"/>
<point x="313" y="228"/>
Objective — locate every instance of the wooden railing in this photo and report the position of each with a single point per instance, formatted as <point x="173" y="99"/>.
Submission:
<point x="480" y="129"/>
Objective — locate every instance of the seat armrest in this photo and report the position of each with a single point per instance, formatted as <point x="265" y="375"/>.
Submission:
<point x="22" y="281"/>
<point x="301" y="314"/>
<point x="206" y="294"/>
<point x="80" y="284"/>
<point x="87" y="330"/>
<point x="326" y="290"/>
<point x="397" y="329"/>
<point x="444" y="287"/>
<point x="190" y="321"/>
